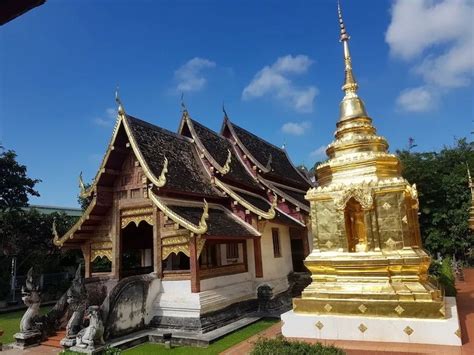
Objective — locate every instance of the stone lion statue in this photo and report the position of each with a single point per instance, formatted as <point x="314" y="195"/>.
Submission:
<point x="94" y="333"/>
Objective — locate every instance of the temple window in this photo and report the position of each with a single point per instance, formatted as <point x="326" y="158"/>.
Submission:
<point x="210" y="256"/>
<point x="276" y="242"/>
<point x="101" y="264"/>
<point x="175" y="262"/>
<point x="232" y="251"/>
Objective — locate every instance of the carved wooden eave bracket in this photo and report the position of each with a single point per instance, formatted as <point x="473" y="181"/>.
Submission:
<point x="175" y="217"/>
<point x="59" y="241"/>
<point x="270" y="214"/>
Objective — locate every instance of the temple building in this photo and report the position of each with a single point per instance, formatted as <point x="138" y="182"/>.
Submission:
<point x="209" y="217"/>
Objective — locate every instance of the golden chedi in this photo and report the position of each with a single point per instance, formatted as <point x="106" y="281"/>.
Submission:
<point x="367" y="256"/>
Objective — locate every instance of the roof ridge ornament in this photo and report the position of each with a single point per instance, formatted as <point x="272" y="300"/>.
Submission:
<point x="55" y="232"/>
<point x="184" y="109"/>
<point x="269" y="162"/>
<point x="162" y="178"/>
<point x="120" y="108"/>
<point x="82" y="186"/>
<point x="201" y="228"/>
<point x="226" y="168"/>
<point x="270" y="214"/>
<point x="225" y="112"/>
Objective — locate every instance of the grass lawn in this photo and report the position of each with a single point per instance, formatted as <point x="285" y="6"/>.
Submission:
<point x="10" y="324"/>
<point x="214" y="348"/>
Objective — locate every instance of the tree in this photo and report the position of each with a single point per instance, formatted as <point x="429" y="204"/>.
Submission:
<point x="26" y="233"/>
<point x="15" y="185"/>
<point x="444" y="196"/>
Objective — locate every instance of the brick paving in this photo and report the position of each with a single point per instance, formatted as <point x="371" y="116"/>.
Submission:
<point x="465" y="303"/>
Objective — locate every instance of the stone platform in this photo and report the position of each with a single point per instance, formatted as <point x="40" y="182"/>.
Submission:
<point x="376" y="329"/>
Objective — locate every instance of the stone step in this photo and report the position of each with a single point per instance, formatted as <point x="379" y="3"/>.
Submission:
<point x="54" y="340"/>
<point x="52" y="344"/>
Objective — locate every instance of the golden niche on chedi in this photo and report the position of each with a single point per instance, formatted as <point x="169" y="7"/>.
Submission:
<point x="367" y="253"/>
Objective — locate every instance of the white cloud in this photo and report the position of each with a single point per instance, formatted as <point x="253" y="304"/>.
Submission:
<point x="190" y="76"/>
<point x="108" y="119"/>
<point x="275" y="81"/>
<point x="296" y="128"/>
<point x="319" y="152"/>
<point x="420" y="99"/>
<point x="437" y="38"/>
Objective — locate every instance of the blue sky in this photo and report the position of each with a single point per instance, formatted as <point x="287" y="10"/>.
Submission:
<point x="277" y="65"/>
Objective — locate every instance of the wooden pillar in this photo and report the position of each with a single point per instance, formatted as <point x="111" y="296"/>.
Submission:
<point x="157" y="222"/>
<point x="116" y="241"/>
<point x="194" y="265"/>
<point x="86" y="252"/>
<point x="257" y="250"/>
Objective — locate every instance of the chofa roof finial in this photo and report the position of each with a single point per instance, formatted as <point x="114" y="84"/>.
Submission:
<point x="120" y="107"/>
<point x="223" y="110"/>
<point x="183" y="105"/>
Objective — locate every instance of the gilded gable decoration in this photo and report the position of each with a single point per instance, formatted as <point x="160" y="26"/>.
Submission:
<point x="226" y="168"/>
<point x="162" y="178"/>
<point x="270" y="214"/>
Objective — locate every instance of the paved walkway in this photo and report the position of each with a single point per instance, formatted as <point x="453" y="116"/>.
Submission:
<point x="465" y="303"/>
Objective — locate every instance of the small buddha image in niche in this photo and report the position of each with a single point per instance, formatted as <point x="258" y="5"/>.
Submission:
<point x="355" y="227"/>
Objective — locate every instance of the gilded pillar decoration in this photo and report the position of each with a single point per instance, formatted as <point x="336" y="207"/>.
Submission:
<point x="136" y="215"/>
<point x="101" y="249"/>
<point x="367" y="248"/>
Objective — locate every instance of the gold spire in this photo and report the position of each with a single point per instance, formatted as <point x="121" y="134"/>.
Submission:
<point x="351" y="106"/>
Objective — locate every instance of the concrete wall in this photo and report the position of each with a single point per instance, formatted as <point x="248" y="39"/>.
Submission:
<point x="276" y="267"/>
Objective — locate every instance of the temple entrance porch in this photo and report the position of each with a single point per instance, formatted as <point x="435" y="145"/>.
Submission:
<point x="136" y="249"/>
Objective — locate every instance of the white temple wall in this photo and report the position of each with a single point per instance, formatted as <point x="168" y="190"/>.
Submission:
<point x="175" y="299"/>
<point x="276" y="267"/>
<point x="250" y="258"/>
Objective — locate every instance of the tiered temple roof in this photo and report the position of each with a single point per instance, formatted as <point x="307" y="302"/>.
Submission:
<point x="197" y="178"/>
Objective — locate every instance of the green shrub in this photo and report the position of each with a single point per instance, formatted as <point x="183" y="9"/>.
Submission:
<point x="281" y="346"/>
<point x="446" y="278"/>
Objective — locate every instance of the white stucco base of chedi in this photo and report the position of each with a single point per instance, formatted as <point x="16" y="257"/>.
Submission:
<point x="397" y="330"/>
